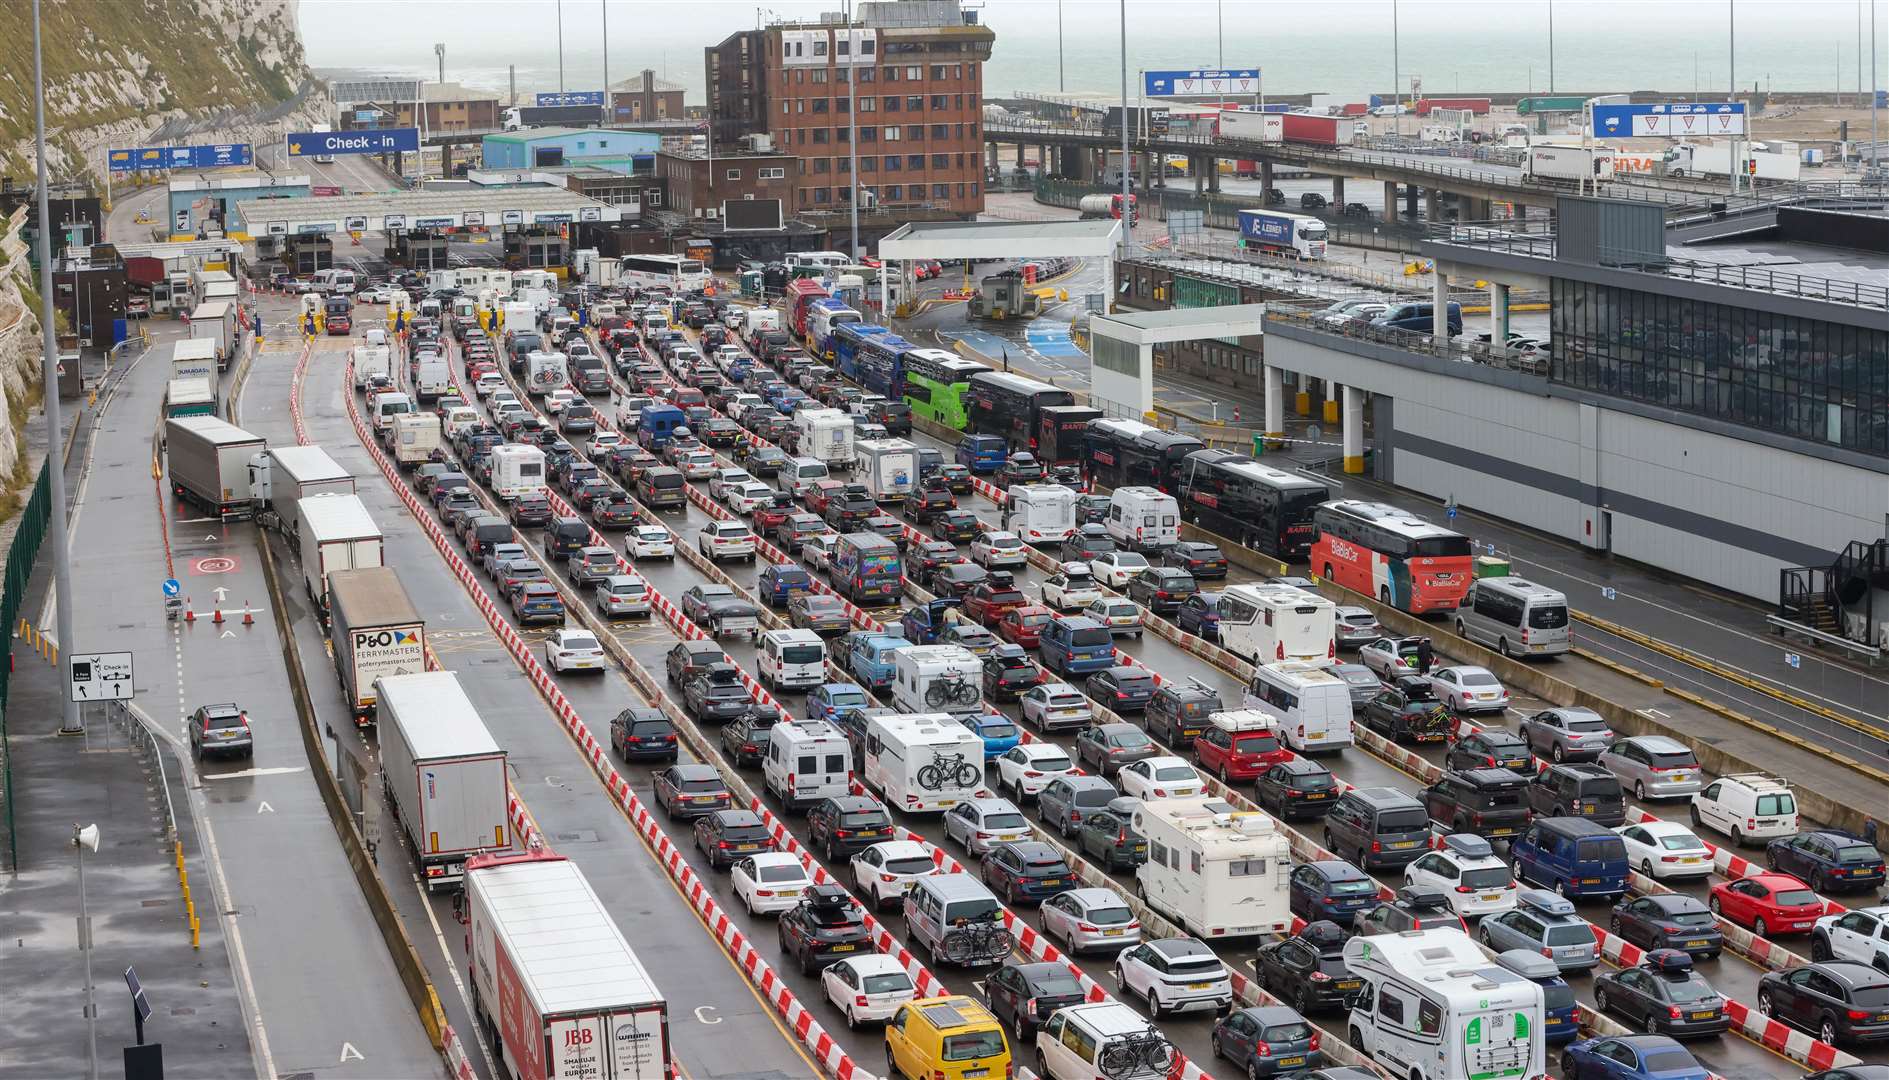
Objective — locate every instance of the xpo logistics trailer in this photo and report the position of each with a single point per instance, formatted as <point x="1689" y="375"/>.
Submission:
<point x="375" y="631"/>
<point x="444" y="774"/>
<point x="553" y="978"/>
<point x="209" y="463"/>
<point x="336" y="533"/>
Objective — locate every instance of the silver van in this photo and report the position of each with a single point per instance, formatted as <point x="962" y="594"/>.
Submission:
<point x="957" y="920"/>
<point x="1515" y="617"/>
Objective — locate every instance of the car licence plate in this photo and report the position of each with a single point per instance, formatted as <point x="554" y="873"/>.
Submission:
<point x="1696" y="943"/>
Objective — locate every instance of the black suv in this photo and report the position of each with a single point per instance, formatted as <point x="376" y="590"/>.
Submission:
<point x="1578" y="790"/>
<point x="824" y="928"/>
<point x="716" y="693"/>
<point x="1178" y="712"/>
<point x="846" y="824"/>
<point x="1487" y="802"/>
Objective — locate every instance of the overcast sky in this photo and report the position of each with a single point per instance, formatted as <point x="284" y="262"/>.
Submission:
<point x="1299" y="39"/>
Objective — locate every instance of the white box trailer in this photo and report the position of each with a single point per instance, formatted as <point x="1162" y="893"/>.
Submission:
<point x="1227" y="875"/>
<point x="209" y="463"/>
<point x="554" y="977"/>
<point x="888" y="467"/>
<point x="374" y="631"/>
<point x="1262" y="624"/>
<point x="923" y="762"/>
<point x="443" y="771"/>
<point x="282" y="476"/>
<point x="336" y="533"/>
<point x="1463" y="1014"/>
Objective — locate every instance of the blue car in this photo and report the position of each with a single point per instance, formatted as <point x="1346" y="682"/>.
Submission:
<point x="1652" y="1057"/>
<point x="998" y="733"/>
<point x="828" y="701"/>
<point x="1330" y="889"/>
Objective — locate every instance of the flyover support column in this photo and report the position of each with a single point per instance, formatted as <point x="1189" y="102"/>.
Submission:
<point x="1433" y="205"/>
<point x="1354" y="430"/>
<point x="1440" y="307"/>
<point x="1338" y="193"/>
<point x="1275" y="403"/>
<point x="1390" y="200"/>
<point x="1333" y="391"/>
<point x="1265" y="175"/>
<point x="1498" y="314"/>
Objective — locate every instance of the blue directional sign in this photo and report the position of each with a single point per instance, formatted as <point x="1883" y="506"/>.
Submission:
<point x="1237" y="81"/>
<point x="172" y="587"/>
<point x="384" y="141"/>
<point x="211" y="156"/>
<point x="1669" y="119"/>
<point x="574" y="97"/>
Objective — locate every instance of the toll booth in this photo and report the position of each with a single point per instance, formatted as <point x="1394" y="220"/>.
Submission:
<point x="541" y="248"/>
<point x="417" y="250"/>
<point x="308" y="253"/>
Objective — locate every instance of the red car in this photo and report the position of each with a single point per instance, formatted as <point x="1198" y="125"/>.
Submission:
<point x="1239" y="746"/>
<point x="820" y="495"/>
<point x="1024" y="625"/>
<point x="1767" y="904"/>
<point x="989" y="600"/>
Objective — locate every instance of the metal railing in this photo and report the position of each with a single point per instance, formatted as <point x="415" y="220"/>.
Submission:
<point x="1313" y="318"/>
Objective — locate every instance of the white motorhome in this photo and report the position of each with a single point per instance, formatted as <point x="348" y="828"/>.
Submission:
<point x="826" y="435"/>
<point x="1143" y="518"/>
<point x="923" y="762"/>
<point x="1262" y="624"/>
<point x="888" y="467"/>
<point x="517" y="470"/>
<point x="1218" y="875"/>
<point x="1435" y="1007"/>
<point x="937" y="678"/>
<point x="807" y="760"/>
<point x="545" y="372"/>
<point x="369" y="361"/>
<point x="1042" y="513"/>
<point x="1313" y="704"/>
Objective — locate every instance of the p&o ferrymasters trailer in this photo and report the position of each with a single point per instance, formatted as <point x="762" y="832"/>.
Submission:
<point x="209" y="463"/>
<point x="553" y="977"/>
<point x="443" y="772"/>
<point x="375" y="631"/>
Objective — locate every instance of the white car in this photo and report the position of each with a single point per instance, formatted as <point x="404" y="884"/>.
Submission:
<point x="602" y="443"/>
<point x="1026" y="769"/>
<point x="747" y="498"/>
<point x="1174" y="975"/>
<point x="649" y="542"/>
<point x="1746" y="807"/>
<point x="1056" y="706"/>
<point x="1467" y="873"/>
<point x="867" y="988"/>
<point x="1466" y="688"/>
<point x="1860" y="936"/>
<point x="1091" y="918"/>
<point x="1160" y="778"/>
<point x="724" y="479"/>
<point x="993" y="549"/>
<point x="979" y="823"/>
<point x="883" y="872"/>
<point x="1121" y="616"/>
<point x="1665" y="849"/>
<point x="697" y="464"/>
<point x="489" y="383"/>
<point x="769" y="882"/>
<point x="1115" y="568"/>
<point x="574" y="650"/>
<point x="726" y="540"/>
<point x="1070" y="587"/>
<point x="817" y="551"/>
<point x="560" y="399"/>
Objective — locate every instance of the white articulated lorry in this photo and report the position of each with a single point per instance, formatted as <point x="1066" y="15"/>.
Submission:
<point x="555" y="985"/>
<point x="444" y="773"/>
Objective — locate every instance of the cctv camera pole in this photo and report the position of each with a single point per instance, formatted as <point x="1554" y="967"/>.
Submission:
<point x="83" y="838"/>
<point x="49" y="374"/>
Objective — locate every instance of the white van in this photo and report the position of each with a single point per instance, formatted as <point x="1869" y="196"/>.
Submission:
<point x="792" y="660"/>
<point x="1041" y="513"/>
<point x="1143" y="518"/>
<point x="1070" y="1045"/>
<point x="807" y="760"/>
<point x="1515" y="617"/>
<point x="387" y="406"/>
<point x="369" y="361"/>
<point x="800" y="473"/>
<point x="937" y="678"/>
<point x="1435" y="1007"/>
<point x="923" y="762"/>
<point x="1218" y="875"/>
<point x="517" y="469"/>
<point x="1262" y="624"/>
<point x="1313" y="704"/>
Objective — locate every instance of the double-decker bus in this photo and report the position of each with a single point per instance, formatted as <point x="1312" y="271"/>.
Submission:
<point x="1006" y="404"/>
<point x="848" y="338"/>
<point x="1129" y="453"/>
<point x="935" y="384"/>
<point x="1391" y="554"/>
<point x="880" y="361"/>
<point x="676" y="273"/>
<point x="1256" y="505"/>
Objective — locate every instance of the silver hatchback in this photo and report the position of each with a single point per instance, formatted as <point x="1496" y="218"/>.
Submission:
<point x="1655" y="767"/>
<point x="1567" y="734"/>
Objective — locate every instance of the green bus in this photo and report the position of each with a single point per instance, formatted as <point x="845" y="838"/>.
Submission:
<point x="935" y="380"/>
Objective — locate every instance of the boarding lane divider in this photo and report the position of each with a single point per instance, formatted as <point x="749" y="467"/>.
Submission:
<point x="832" y="1057"/>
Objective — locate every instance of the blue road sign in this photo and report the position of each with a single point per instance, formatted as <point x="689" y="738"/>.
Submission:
<point x="322" y="143"/>
<point x="1669" y="119"/>
<point x="208" y="156"/>
<point x="573" y="97"/>
<point x="172" y="587"/>
<point x="1201" y="81"/>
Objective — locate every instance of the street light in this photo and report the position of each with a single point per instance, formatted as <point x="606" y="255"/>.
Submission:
<point x="83" y="840"/>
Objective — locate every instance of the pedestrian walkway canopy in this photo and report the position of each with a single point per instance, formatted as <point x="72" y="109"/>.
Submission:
<point x="1121" y="382"/>
<point x="422" y="210"/>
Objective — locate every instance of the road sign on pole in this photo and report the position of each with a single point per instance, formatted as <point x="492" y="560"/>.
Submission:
<point x="101" y="676"/>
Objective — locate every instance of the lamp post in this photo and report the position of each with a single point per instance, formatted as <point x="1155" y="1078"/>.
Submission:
<point x="83" y="840"/>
